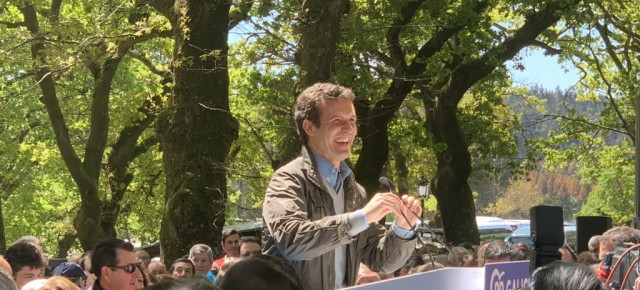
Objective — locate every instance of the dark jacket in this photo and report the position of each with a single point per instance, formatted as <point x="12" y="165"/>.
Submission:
<point x="300" y="225"/>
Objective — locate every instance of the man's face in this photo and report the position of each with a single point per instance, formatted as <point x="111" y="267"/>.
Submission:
<point x="249" y="249"/>
<point x="137" y="278"/>
<point x="605" y="247"/>
<point x="157" y="268"/>
<point x="202" y="262"/>
<point x="334" y="137"/>
<point x="231" y="245"/>
<point x="27" y="274"/>
<point x="116" y="278"/>
<point x="182" y="270"/>
<point x="143" y="257"/>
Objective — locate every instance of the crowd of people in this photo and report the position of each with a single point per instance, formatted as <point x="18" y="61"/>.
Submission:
<point x="114" y="264"/>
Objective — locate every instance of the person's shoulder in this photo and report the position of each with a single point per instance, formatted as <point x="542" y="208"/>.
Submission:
<point x="295" y="165"/>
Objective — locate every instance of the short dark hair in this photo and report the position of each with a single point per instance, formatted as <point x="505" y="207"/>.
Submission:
<point x="105" y="254"/>
<point x="498" y="249"/>
<point x="308" y="103"/>
<point x="565" y="275"/>
<point x="23" y="254"/>
<point x="268" y="272"/>
<point x="250" y="239"/>
<point x="182" y="260"/>
<point x="228" y="233"/>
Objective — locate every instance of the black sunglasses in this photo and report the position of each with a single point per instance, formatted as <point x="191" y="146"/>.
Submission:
<point x="127" y="268"/>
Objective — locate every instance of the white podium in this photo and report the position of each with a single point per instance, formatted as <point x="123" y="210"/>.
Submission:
<point x="495" y="276"/>
<point x="441" y="279"/>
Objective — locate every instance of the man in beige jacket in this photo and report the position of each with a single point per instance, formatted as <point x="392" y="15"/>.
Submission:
<point x="317" y="217"/>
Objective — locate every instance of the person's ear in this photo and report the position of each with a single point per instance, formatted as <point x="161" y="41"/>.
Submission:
<point x="308" y="127"/>
<point x="105" y="271"/>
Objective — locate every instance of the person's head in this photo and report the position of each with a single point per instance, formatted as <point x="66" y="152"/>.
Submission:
<point x="140" y="277"/>
<point x="523" y="251"/>
<point x="565" y="276"/>
<point x="60" y="283"/>
<point x="567" y="254"/>
<point x="26" y="262"/>
<point x="202" y="257"/>
<point x="326" y="120"/>
<point x="469" y="261"/>
<point x="73" y="272"/>
<point x="587" y="258"/>
<point x="498" y="251"/>
<point x="75" y="257"/>
<point x="618" y="237"/>
<point x="250" y="246"/>
<point x="143" y="257"/>
<point x="4" y="265"/>
<point x="226" y="265"/>
<point x="231" y="243"/>
<point x="267" y="272"/>
<point x="182" y="268"/>
<point x="85" y="264"/>
<point x="594" y="245"/>
<point x="114" y="263"/>
<point x="195" y="283"/>
<point x="30" y="240"/>
<point x="6" y="281"/>
<point x="157" y="268"/>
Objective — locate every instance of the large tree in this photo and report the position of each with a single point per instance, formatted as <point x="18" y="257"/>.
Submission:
<point x="69" y="62"/>
<point x="197" y="128"/>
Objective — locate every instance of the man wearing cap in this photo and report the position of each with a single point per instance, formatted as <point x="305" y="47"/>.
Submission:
<point x="73" y="272"/>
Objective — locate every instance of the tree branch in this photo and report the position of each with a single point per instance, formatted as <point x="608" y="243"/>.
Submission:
<point x="240" y="13"/>
<point x="13" y="24"/>
<point x="548" y="49"/>
<point x="161" y="72"/>
<point x="396" y="53"/>
<point x="586" y="123"/>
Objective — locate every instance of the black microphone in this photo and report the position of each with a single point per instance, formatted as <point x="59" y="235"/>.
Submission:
<point x="386" y="184"/>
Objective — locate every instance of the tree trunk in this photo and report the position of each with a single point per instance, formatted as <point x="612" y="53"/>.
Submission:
<point x="319" y="37"/>
<point x="65" y="244"/>
<point x="451" y="188"/>
<point x="196" y="130"/>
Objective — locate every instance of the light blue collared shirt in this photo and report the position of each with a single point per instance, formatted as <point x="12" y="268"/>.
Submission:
<point x="335" y="178"/>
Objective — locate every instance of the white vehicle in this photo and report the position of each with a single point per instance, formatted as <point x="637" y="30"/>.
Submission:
<point x="492" y="225"/>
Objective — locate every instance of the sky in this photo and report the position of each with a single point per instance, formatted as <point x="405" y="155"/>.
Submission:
<point x="543" y="70"/>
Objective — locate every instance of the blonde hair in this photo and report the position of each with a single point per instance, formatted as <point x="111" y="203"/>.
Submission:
<point x="59" y="283"/>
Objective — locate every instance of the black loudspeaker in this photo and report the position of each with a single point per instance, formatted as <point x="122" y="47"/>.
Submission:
<point x="547" y="225"/>
<point x="547" y="234"/>
<point x="589" y="226"/>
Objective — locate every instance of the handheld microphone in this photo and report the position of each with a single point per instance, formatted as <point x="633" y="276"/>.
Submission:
<point x="386" y="184"/>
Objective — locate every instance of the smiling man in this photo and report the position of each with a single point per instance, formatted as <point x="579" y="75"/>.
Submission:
<point x="316" y="215"/>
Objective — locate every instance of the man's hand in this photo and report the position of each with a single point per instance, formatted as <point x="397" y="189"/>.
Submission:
<point x="380" y="205"/>
<point x="409" y="209"/>
<point x="386" y="202"/>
